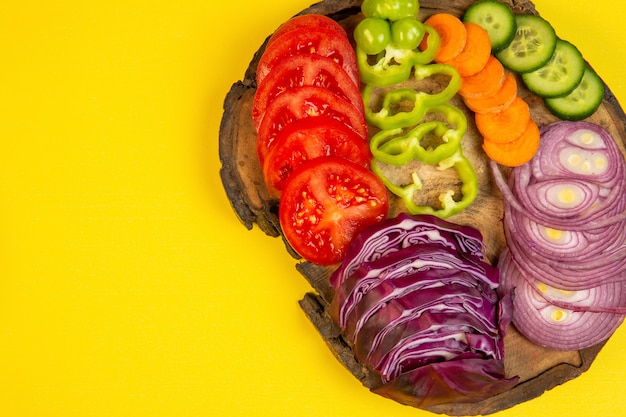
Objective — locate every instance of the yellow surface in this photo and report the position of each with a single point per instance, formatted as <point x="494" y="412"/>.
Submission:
<point x="127" y="285"/>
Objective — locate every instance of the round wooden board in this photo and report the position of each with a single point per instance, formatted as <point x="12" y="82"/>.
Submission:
<point x="539" y="369"/>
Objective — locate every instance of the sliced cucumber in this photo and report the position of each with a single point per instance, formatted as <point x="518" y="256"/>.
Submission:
<point x="580" y="103"/>
<point x="560" y="75"/>
<point x="496" y="18"/>
<point x="532" y="47"/>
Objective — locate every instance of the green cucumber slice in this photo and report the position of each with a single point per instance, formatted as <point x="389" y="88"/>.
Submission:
<point x="580" y="103"/>
<point x="496" y="18"/>
<point x="561" y="75"/>
<point x="532" y="47"/>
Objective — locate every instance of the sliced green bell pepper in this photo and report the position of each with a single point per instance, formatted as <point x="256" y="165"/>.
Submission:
<point x="393" y="63"/>
<point x="390" y="115"/>
<point x="390" y="9"/>
<point x="449" y="206"/>
<point x="392" y="147"/>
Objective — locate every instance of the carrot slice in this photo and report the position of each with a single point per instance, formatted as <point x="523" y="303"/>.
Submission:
<point x="452" y="33"/>
<point x="476" y="52"/>
<point x="486" y="82"/>
<point x="518" y="151"/>
<point x="506" y="125"/>
<point x="496" y="102"/>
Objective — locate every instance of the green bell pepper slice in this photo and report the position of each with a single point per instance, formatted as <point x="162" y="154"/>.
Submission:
<point x="390" y="9"/>
<point x="393" y="147"/>
<point x="395" y="62"/>
<point x="449" y="206"/>
<point x="390" y="115"/>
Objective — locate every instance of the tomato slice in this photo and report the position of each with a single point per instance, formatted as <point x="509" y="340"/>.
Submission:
<point x="307" y="21"/>
<point x="301" y="102"/>
<point x="301" y="70"/>
<point x="326" y="202"/>
<point x="309" y="40"/>
<point x="310" y="138"/>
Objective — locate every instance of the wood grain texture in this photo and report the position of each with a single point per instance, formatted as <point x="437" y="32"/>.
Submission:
<point x="539" y="369"/>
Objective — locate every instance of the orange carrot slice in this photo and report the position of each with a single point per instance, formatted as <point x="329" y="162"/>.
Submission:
<point x="476" y="52"/>
<point x="496" y="102"/>
<point x="486" y="82"/>
<point x="452" y="33"/>
<point x="518" y="151"/>
<point x="506" y="125"/>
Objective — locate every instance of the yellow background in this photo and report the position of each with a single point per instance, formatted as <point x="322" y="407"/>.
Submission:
<point x="127" y="285"/>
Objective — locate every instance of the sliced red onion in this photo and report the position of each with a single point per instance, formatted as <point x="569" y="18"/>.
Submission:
<point x="563" y="198"/>
<point x="549" y="321"/>
<point x="603" y="298"/>
<point x="562" y="243"/>
<point x="565" y="228"/>
<point x="569" y="274"/>
<point x="580" y="150"/>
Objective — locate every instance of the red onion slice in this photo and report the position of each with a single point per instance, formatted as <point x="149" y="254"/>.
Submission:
<point x="565" y="228"/>
<point x="555" y="327"/>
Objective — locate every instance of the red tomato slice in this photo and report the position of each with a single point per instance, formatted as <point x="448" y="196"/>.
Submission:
<point x="307" y="40"/>
<point x="310" y="138"/>
<point x="301" y="102"/>
<point x="301" y="70"/>
<point x="326" y="202"/>
<point x="307" y="21"/>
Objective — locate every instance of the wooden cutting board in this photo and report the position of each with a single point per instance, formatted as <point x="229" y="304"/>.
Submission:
<point x="539" y="369"/>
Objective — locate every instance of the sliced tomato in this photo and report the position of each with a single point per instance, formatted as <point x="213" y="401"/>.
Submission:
<point x="307" y="139"/>
<point x="309" y="40"/>
<point x="301" y="70"/>
<point x="307" y="21"/>
<point x="326" y="202"/>
<point x="301" y="102"/>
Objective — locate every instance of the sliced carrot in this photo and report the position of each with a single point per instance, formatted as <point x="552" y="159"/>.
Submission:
<point x="486" y="82"/>
<point x="496" y="102"/>
<point x="452" y="33"/>
<point x="506" y="125"/>
<point x="476" y="52"/>
<point x="518" y="151"/>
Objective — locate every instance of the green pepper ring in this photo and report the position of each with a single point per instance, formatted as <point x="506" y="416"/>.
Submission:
<point x="469" y="189"/>
<point x="400" y="149"/>
<point x="385" y="118"/>
<point x="394" y="65"/>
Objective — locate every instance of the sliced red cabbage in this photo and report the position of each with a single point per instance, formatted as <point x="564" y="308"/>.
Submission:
<point x="415" y="258"/>
<point x="405" y="230"/>
<point x="463" y="380"/>
<point x="477" y="311"/>
<point x="417" y="292"/>
<point x="412" y="289"/>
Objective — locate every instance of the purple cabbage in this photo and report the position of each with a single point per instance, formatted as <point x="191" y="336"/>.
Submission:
<point x="418" y="303"/>
<point x="402" y="231"/>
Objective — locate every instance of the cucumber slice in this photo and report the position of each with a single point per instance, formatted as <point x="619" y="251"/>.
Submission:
<point x="496" y="18"/>
<point x="560" y="75"/>
<point x="532" y="47"/>
<point x="580" y="103"/>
